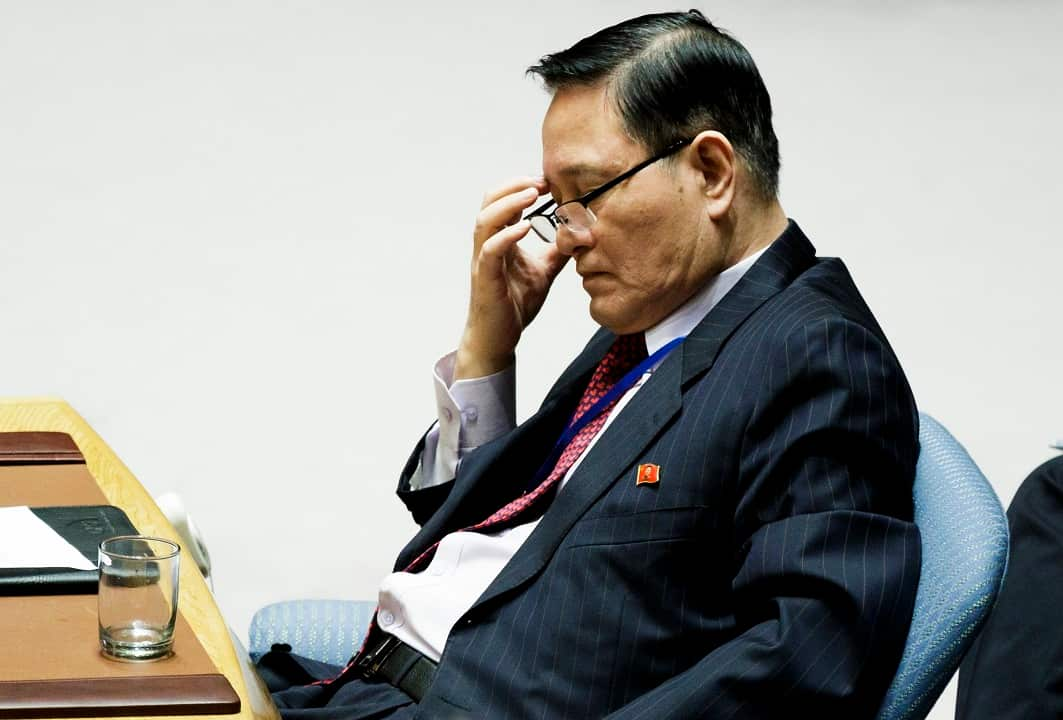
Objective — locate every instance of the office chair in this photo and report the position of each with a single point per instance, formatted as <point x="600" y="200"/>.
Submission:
<point x="330" y="631"/>
<point x="964" y="535"/>
<point x="965" y="547"/>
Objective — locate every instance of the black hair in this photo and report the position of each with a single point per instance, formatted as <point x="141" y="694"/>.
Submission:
<point x="672" y="75"/>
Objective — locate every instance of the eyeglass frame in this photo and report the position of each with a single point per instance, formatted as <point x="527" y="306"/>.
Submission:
<point x="597" y="192"/>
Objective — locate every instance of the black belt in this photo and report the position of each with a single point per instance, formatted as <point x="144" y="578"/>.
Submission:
<point x="393" y="661"/>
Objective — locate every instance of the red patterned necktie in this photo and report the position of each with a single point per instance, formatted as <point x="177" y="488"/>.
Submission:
<point x="626" y="352"/>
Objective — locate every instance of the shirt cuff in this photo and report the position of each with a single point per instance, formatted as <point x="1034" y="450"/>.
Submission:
<point x="471" y="412"/>
<point x="476" y="410"/>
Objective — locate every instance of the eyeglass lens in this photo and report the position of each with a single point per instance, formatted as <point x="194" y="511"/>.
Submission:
<point x="575" y="217"/>
<point x="544" y="228"/>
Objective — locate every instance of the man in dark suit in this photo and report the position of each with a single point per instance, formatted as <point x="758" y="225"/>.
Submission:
<point x="710" y="514"/>
<point x="1014" y="670"/>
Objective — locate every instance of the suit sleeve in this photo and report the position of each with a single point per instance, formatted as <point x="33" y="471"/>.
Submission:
<point x="826" y="557"/>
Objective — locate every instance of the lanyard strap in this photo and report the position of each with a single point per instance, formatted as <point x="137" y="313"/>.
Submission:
<point x="622" y="386"/>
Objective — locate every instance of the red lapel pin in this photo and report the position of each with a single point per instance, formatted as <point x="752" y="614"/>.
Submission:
<point x="649" y="474"/>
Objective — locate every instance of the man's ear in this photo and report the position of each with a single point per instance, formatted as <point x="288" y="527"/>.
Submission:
<point x="715" y="160"/>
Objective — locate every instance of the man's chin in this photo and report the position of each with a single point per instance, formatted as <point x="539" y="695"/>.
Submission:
<point x="614" y="319"/>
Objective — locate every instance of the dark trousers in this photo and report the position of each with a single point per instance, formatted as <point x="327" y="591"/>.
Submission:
<point x="1014" y="671"/>
<point x="289" y="679"/>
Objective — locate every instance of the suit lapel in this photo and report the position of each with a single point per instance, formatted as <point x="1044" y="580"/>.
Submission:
<point x="655" y="404"/>
<point x="651" y="407"/>
<point x="494" y="474"/>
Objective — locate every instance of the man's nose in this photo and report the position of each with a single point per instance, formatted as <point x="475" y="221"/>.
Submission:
<point x="569" y="242"/>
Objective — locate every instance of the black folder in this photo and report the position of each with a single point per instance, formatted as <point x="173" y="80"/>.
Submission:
<point x="84" y="527"/>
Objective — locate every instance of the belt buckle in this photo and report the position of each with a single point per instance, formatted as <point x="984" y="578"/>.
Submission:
<point x="369" y="664"/>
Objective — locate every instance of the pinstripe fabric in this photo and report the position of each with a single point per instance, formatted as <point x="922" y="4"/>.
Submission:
<point x="771" y="571"/>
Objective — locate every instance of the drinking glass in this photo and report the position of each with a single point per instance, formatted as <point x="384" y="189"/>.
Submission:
<point x="138" y="596"/>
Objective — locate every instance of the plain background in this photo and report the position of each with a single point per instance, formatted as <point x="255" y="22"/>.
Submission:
<point x="235" y="235"/>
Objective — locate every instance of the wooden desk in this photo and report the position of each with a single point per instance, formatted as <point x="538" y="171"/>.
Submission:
<point x="122" y="489"/>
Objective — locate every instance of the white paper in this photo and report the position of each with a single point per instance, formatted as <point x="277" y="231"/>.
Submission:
<point x="28" y="541"/>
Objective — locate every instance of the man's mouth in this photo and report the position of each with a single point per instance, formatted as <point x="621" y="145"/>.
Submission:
<point x="593" y="279"/>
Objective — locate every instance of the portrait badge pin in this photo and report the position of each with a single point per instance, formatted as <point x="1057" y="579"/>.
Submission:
<point x="649" y="474"/>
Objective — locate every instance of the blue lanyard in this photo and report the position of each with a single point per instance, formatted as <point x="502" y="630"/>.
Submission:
<point x="621" y="387"/>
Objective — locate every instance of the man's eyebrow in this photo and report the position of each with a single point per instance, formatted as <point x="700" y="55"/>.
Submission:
<point x="582" y="175"/>
<point x="582" y="170"/>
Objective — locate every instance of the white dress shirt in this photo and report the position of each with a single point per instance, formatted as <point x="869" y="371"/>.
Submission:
<point x="421" y="608"/>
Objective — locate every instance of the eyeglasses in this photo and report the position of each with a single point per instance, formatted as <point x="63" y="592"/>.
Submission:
<point x="574" y="215"/>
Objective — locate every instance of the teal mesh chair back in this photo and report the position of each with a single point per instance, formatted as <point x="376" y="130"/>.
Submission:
<point x="327" y="630"/>
<point x="965" y="552"/>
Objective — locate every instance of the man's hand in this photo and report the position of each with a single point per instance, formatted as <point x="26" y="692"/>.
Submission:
<point x="509" y="284"/>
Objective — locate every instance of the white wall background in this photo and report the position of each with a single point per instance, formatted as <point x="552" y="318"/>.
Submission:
<point x="234" y="235"/>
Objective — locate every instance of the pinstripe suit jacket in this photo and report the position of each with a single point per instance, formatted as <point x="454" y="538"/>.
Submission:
<point x="772" y="570"/>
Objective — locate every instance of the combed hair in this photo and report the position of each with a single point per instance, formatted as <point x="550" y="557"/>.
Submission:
<point x="670" y="76"/>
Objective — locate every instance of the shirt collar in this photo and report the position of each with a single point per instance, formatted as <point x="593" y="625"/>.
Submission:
<point x="686" y="317"/>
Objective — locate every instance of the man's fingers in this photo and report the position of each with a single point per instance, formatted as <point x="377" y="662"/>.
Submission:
<point x="498" y="245"/>
<point x="503" y="212"/>
<point x="513" y="185"/>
